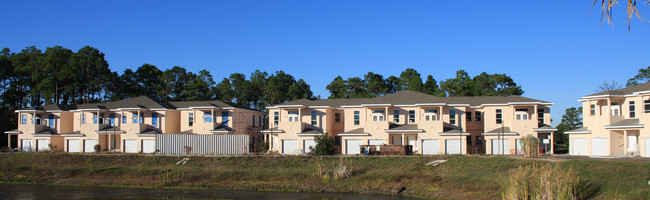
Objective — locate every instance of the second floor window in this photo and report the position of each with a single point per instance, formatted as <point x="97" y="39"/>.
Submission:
<point x="224" y="118"/>
<point x="468" y="117"/>
<point x="499" y="116"/>
<point x="592" y="110"/>
<point x="314" y="118"/>
<point x="83" y="118"/>
<point x="430" y="115"/>
<point x="190" y="119"/>
<point x="260" y="120"/>
<point x="276" y="118"/>
<point x="337" y="117"/>
<point x="647" y="106"/>
<point x="632" y="110"/>
<point x="521" y="113"/>
<point x="540" y="115"/>
<point x="411" y="116"/>
<point x="51" y="123"/>
<point x="23" y="119"/>
<point x="207" y="117"/>
<point x="356" y="117"/>
<point x="95" y="118"/>
<point x="377" y="115"/>
<point x="142" y="118"/>
<point x="253" y="121"/>
<point x="134" y="118"/>
<point x="477" y="116"/>
<point x="123" y="119"/>
<point x="154" y="119"/>
<point x="396" y="116"/>
<point x="293" y="116"/>
<point x="452" y="116"/>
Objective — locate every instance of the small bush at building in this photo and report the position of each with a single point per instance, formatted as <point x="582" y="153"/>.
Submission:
<point x="324" y="145"/>
<point x="530" y="146"/>
<point x="97" y="148"/>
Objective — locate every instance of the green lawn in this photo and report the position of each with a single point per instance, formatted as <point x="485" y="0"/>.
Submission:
<point x="462" y="177"/>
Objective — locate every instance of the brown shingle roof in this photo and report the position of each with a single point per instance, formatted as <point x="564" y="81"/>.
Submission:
<point x="625" y="91"/>
<point x="410" y="97"/>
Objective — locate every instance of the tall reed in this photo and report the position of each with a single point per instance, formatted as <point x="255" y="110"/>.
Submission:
<point x="546" y="181"/>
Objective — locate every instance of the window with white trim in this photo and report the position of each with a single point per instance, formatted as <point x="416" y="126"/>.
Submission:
<point x="356" y="117"/>
<point x="499" y="116"/>
<point x="378" y="115"/>
<point x="452" y="116"/>
<point x="314" y="118"/>
<point x="521" y="114"/>
<point x="276" y="118"/>
<point x="540" y="115"/>
<point x="411" y="116"/>
<point x="337" y="117"/>
<point x="190" y="119"/>
<point x="647" y="106"/>
<point x="430" y="114"/>
<point x="477" y="116"/>
<point x="632" y="110"/>
<point x="592" y="110"/>
<point x="396" y="116"/>
<point x="293" y="116"/>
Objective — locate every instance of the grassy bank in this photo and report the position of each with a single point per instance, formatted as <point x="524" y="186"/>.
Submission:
<point x="462" y="177"/>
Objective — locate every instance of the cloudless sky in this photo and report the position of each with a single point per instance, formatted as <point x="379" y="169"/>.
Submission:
<point x="555" y="50"/>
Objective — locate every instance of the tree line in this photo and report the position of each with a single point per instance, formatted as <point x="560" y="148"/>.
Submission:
<point x="373" y="85"/>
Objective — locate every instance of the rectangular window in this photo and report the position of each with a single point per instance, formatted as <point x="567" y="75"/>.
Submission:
<point x="411" y="116"/>
<point x="259" y="120"/>
<point x="356" y="117"/>
<point x="430" y="114"/>
<point x="207" y="117"/>
<point x="337" y="117"/>
<point x="499" y="116"/>
<point x="477" y="116"/>
<point x="111" y="119"/>
<point x="38" y="119"/>
<point x="23" y="119"/>
<point x="452" y="116"/>
<point x="142" y="118"/>
<point x="396" y="116"/>
<point x="592" y="111"/>
<point x="276" y="118"/>
<point x="647" y="106"/>
<point x="95" y="118"/>
<point x="378" y="115"/>
<point x="314" y="118"/>
<point x="478" y="140"/>
<point x="468" y="117"/>
<point x="123" y="119"/>
<point x="51" y="123"/>
<point x="154" y="119"/>
<point x="134" y="118"/>
<point x="632" y="110"/>
<point x="521" y="113"/>
<point x="253" y="121"/>
<point x="83" y="118"/>
<point x="224" y="118"/>
<point x="190" y="119"/>
<point x="469" y="140"/>
<point x="540" y="115"/>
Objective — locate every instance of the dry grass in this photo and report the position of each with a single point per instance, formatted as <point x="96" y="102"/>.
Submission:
<point x="543" y="182"/>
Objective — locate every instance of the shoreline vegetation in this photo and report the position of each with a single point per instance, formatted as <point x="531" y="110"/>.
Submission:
<point x="461" y="177"/>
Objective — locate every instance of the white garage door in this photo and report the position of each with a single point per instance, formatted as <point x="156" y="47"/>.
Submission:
<point x="352" y="147"/>
<point x="130" y="146"/>
<point x="519" y="145"/>
<point x="73" y="145"/>
<point x="148" y="146"/>
<point x="646" y="143"/>
<point x="308" y="143"/>
<point x="89" y="145"/>
<point x="452" y="146"/>
<point x="500" y="147"/>
<point x="27" y="145"/>
<point x="430" y="147"/>
<point x="289" y="145"/>
<point x="43" y="145"/>
<point x="599" y="147"/>
<point x="579" y="146"/>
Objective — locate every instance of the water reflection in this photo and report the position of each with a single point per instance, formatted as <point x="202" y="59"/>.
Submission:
<point x="23" y="191"/>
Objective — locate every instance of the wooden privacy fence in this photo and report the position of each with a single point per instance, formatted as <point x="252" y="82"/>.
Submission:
<point x="182" y="144"/>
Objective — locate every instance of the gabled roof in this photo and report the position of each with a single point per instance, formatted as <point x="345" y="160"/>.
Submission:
<point x="412" y="98"/>
<point x="138" y="102"/>
<point x="311" y="131"/>
<point x="623" y="91"/>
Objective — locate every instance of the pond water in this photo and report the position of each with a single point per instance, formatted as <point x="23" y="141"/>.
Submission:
<point x="26" y="191"/>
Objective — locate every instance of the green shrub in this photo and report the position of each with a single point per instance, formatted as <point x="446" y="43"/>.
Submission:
<point x="324" y="145"/>
<point x="97" y="148"/>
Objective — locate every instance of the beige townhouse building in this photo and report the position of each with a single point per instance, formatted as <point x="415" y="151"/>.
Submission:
<point x="129" y="125"/>
<point x="613" y="123"/>
<point x="430" y="124"/>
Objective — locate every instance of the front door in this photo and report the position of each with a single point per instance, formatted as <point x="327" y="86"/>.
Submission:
<point x="632" y="143"/>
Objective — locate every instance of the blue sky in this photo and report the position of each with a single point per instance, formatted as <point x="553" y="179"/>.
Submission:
<point x="554" y="49"/>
